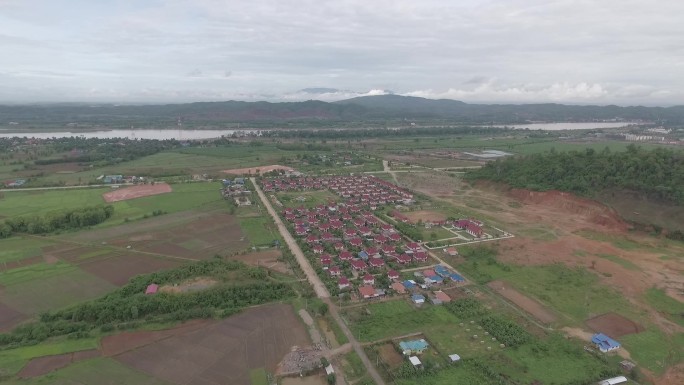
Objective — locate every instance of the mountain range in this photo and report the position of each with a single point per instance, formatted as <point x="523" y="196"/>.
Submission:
<point x="371" y="109"/>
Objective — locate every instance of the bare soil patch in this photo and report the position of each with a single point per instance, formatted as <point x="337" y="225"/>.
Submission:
<point x="9" y="317"/>
<point x="20" y="263"/>
<point x="43" y="365"/>
<point x="613" y="325"/>
<point x="118" y="269"/>
<point x="424" y="215"/>
<point x="524" y="302"/>
<point x="267" y="259"/>
<point x="389" y="355"/>
<point x="126" y="341"/>
<point x="195" y="284"/>
<point x="139" y="191"/>
<point x="219" y="352"/>
<point x="257" y="170"/>
<point x="308" y="380"/>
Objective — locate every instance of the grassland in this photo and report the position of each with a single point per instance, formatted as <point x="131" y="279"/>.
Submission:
<point x="101" y="371"/>
<point x="311" y="198"/>
<point x="18" y="248"/>
<point x="260" y="231"/>
<point x="670" y="307"/>
<point x="185" y="196"/>
<point x="11" y="361"/>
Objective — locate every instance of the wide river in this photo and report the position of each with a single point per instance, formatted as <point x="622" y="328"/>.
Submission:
<point x="209" y="134"/>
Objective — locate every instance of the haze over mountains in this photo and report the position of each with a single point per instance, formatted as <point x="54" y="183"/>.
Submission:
<point x="387" y="107"/>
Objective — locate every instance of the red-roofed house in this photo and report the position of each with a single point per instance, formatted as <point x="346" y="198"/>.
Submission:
<point x="404" y="259"/>
<point x="392" y="275"/>
<point x="339" y="246"/>
<point x="368" y="279"/>
<point x="300" y="231"/>
<point x="358" y="264"/>
<point x="442" y="296"/>
<point x="367" y="292"/>
<point x="318" y="249"/>
<point x="420" y="256"/>
<point x="398" y="287"/>
<point x="394" y="237"/>
<point x="343" y="283"/>
<point x="388" y="249"/>
<point x="365" y="231"/>
<point x="413" y="246"/>
<point x="356" y="242"/>
<point x="335" y="271"/>
<point x="429" y="273"/>
<point x="325" y="260"/>
<point x="311" y="239"/>
<point x="377" y="262"/>
<point x="346" y="256"/>
<point x="350" y="233"/>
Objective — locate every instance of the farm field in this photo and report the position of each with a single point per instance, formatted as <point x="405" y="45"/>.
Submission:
<point x="576" y="258"/>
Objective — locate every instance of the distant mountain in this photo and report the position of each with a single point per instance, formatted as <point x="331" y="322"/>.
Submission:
<point x="359" y="110"/>
<point x="319" y="90"/>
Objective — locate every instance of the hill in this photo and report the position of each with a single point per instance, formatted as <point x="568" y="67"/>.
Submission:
<point x="655" y="177"/>
<point x="367" y="109"/>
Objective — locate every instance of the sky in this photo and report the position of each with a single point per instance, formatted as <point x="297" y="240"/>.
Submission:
<point x="620" y="52"/>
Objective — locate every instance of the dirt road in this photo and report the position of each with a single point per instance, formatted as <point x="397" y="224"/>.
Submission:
<point x="318" y="286"/>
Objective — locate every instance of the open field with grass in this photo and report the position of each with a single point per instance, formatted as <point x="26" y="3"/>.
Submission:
<point x="18" y="248"/>
<point x="310" y="198"/>
<point x="101" y="371"/>
<point x="11" y="361"/>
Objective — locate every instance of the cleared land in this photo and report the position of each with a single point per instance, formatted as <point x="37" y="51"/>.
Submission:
<point x="134" y="192"/>
<point x="614" y="325"/>
<point x="222" y="352"/>
<point x="522" y="301"/>
<point x="43" y="365"/>
<point x="425" y="215"/>
<point x="256" y="170"/>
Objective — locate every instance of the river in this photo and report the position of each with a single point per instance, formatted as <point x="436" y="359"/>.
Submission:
<point x="568" y="126"/>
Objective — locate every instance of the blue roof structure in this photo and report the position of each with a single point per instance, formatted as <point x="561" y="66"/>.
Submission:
<point x="456" y="277"/>
<point x="418" y="298"/>
<point x="408" y="284"/>
<point x="441" y="270"/>
<point x="415" y="345"/>
<point x="604" y="342"/>
<point x="435" y="278"/>
<point x="363" y="255"/>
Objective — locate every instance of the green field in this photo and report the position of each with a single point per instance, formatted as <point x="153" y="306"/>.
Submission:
<point x="388" y="319"/>
<point x="185" y="196"/>
<point x="11" y="361"/>
<point x="311" y="198"/>
<point x="666" y="305"/>
<point x="18" y="248"/>
<point x="260" y="231"/>
<point x="40" y="287"/>
<point x="100" y="371"/>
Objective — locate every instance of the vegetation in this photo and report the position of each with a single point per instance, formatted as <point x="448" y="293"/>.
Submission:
<point x="505" y="331"/>
<point x="656" y="173"/>
<point x="129" y="305"/>
<point x="64" y="220"/>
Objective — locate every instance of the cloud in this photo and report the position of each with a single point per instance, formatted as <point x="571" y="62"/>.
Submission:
<point x="622" y="51"/>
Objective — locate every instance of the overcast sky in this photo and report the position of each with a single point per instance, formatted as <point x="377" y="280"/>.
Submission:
<point x="570" y="51"/>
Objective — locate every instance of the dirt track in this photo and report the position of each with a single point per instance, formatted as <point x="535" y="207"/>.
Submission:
<point x="524" y="302"/>
<point x="136" y="192"/>
<point x="318" y="286"/>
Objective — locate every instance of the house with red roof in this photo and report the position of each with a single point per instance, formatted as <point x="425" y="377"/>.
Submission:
<point x="339" y="246"/>
<point x="327" y="237"/>
<point x="325" y="259"/>
<point x="301" y="231"/>
<point x="381" y="239"/>
<point x="398" y="287"/>
<point x="365" y="231"/>
<point x="414" y="246"/>
<point x="335" y="271"/>
<point x="388" y="249"/>
<point x="403" y="259"/>
<point x="368" y="279"/>
<point x="346" y="256"/>
<point x="392" y="275"/>
<point x="318" y="249"/>
<point x="420" y="256"/>
<point x="367" y="292"/>
<point x="311" y="239"/>
<point x="356" y="242"/>
<point x="349" y="233"/>
<point x="358" y="264"/>
<point x="343" y="283"/>
<point x="376" y="262"/>
<point x="395" y="237"/>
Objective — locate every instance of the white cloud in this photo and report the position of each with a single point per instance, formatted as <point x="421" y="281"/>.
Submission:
<point x="621" y="51"/>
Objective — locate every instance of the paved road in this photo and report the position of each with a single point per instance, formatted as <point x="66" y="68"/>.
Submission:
<point x="318" y="286"/>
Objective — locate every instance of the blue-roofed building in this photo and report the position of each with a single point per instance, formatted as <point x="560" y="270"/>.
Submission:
<point x="240" y="180"/>
<point x="456" y="277"/>
<point x="363" y="255"/>
<point x="434" y="279"/>
<point x="442" y="271"/>
<point x="604" y="343"/>
<point x="413" y="347"/>
<point x="408" y="284"/>
<point x="418" y="299"/>
<point x="226" y="182"/>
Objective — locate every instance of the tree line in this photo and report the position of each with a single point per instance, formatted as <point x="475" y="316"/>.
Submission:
<point x="129" y="306"/>
<point x="56" y="221"/>
<point x="658" y="173"/>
